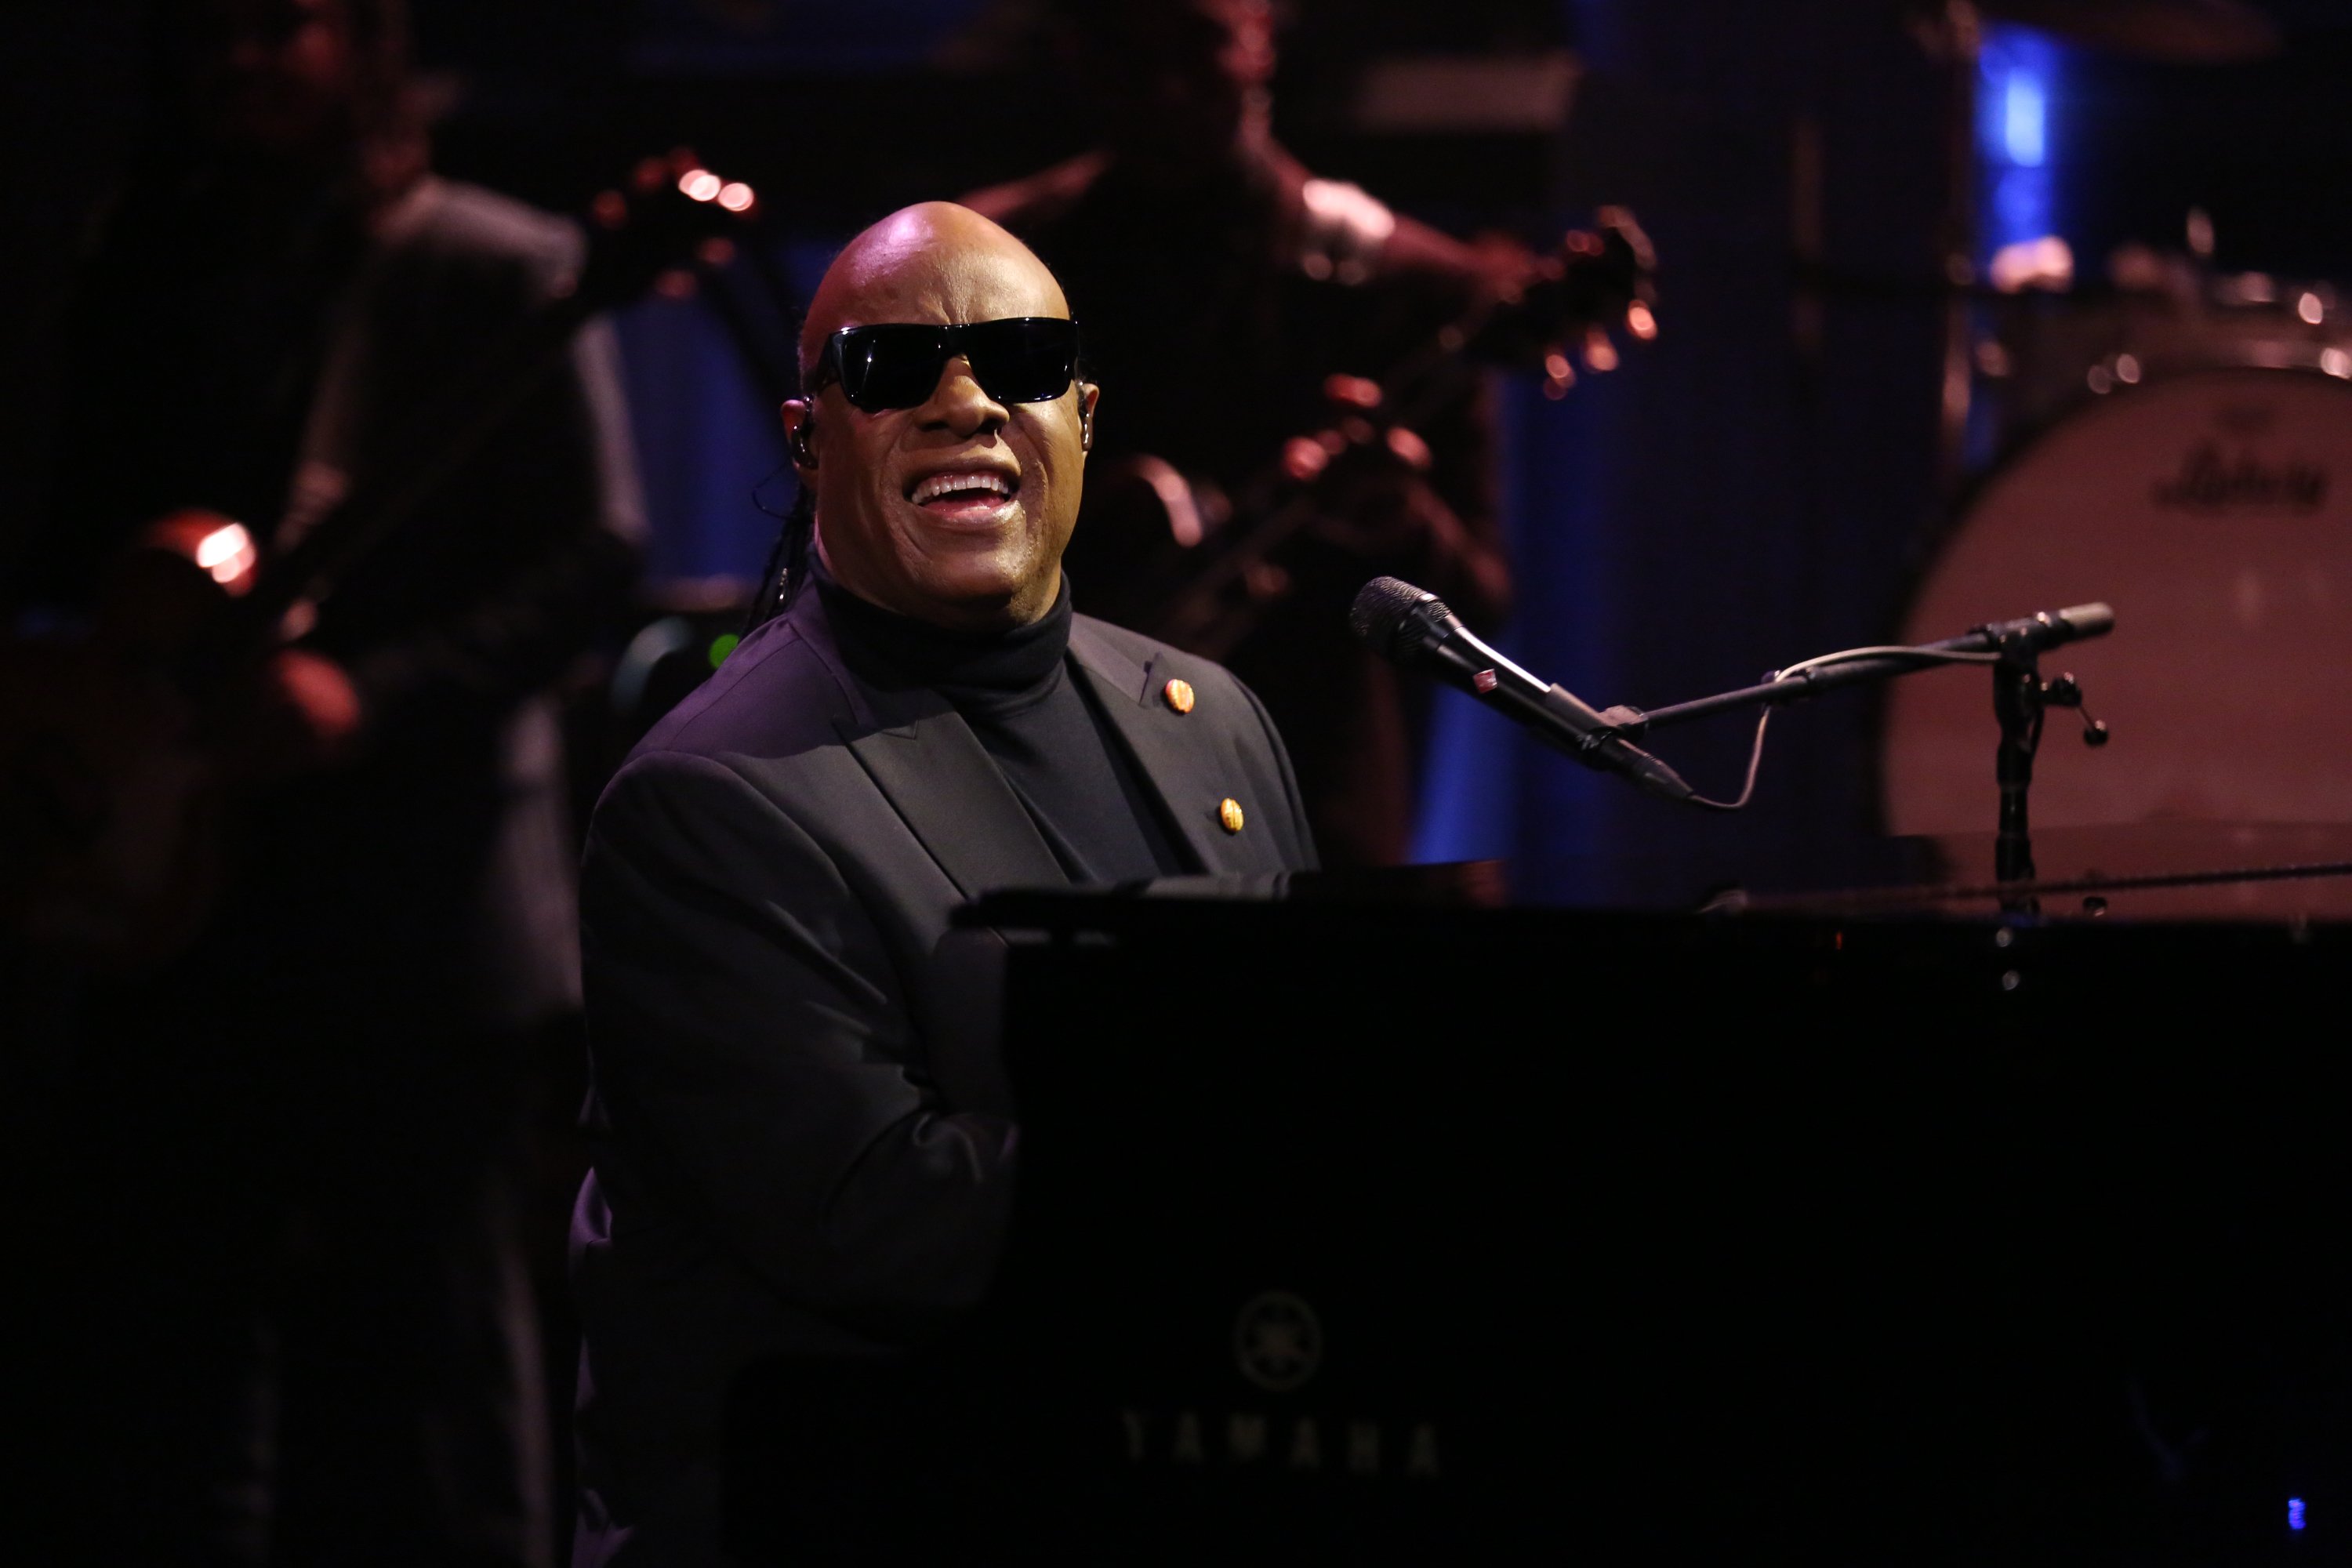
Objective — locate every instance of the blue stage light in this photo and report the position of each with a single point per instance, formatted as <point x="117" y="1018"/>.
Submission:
<point x="2018" y="79"/>
<point x="2024" y="120"/>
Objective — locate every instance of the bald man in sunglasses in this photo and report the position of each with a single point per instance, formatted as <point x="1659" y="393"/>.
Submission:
<point x="803" y="1145"/>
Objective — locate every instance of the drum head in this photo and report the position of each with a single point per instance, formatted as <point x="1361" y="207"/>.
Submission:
<point x="2214" y="511"/>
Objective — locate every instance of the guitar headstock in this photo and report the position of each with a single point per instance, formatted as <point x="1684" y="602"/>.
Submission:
<point x="1571" y="301"/>
<point x="672" y="218"/>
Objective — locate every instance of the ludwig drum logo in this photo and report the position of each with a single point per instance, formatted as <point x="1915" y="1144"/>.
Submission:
<point x="1277" y="1341"/>
<point x="2210" y="481"/>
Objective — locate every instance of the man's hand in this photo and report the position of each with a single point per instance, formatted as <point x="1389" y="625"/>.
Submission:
<point x="303" y="712"/>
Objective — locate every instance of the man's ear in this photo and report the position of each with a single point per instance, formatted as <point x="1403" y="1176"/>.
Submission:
<point x="1087" y="395"/>
<point x="800" y="431"/>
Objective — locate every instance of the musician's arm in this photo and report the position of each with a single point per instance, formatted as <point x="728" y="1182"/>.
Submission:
<point x="560" y="488"/>
<point x="755" y="1058"/>
<point x="1441" y="527"/>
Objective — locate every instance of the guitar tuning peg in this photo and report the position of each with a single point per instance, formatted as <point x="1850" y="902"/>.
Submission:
<point x="1303" y="458"/>
<point x="1558" y="375"/>
<point x="1407" y="448"/>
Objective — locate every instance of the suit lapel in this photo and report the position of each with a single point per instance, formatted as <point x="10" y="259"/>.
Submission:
<point x="1178" y="755"/>
<point x="937" y="776"/>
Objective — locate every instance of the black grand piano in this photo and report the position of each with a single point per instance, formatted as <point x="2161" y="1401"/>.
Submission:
<point x="1890" y="1213"/>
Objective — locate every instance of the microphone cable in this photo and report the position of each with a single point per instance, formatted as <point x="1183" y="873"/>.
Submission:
<point x="1805" y="666"/>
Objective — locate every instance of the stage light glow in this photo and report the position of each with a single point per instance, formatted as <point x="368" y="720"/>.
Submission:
<point x="735" y="196"/>
<point x="700" y="185"/>
<point x="2019" y="75"/>
<point x="720" y="646"/>
<point x="227" y="553"/>
<point x="2024" y="121"/>
<point x="2311" y="309"/>
<point x="2045" y="262"/>
<point x="2294" y="1520"/>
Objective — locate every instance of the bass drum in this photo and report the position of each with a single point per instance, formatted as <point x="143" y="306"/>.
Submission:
<point x="2212" y="510"/>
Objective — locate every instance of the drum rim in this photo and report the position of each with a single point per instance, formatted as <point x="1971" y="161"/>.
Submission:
<point x="1947" y="517"/>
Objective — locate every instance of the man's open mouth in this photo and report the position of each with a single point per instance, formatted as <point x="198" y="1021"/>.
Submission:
<point x="971" y="495"/>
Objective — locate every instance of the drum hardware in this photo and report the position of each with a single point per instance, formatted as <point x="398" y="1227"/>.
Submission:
<point x="2052" y="338"/>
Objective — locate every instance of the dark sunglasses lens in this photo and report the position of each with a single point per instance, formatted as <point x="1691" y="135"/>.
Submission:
<point x="1024" y="360"/>
<point x="892" y="367"/>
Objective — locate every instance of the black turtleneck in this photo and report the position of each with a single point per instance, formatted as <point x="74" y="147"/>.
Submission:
<point x="1015" y="690"/>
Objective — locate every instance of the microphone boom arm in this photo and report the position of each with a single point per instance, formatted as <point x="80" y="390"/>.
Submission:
<point x="1410" y="626"/>
<point x="2016" y="641"/>
<point x="2013" y="649"/>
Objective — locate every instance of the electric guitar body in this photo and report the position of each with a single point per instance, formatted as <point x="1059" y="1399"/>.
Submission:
<point x="1178" y="557"/>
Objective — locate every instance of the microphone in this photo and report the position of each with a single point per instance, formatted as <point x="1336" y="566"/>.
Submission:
<point x="1407" y="627"/>
<point x="2037" y="634"/>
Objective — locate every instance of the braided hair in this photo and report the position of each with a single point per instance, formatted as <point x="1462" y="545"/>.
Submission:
<point x="786" y="572"/>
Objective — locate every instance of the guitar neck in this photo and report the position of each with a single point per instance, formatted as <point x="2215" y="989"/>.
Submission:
<point x="421" y="459"/>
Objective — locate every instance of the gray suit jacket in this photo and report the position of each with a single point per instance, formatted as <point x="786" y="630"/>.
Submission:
<point x="804" y="1143"/>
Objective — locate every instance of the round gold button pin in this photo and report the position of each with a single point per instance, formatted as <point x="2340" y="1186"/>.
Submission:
<point x="1229" y="812"/>
<point x="1179" y="694"/>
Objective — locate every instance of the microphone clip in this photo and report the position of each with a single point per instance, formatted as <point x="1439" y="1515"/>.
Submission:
<point x="1630" y="722"/>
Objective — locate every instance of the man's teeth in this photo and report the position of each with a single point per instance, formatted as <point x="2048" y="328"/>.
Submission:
<point x="939" y="485"/>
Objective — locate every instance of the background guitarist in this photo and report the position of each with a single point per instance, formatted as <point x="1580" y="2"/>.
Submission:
<point x="284" y="1312"/>
<point x="1219" y="280"/>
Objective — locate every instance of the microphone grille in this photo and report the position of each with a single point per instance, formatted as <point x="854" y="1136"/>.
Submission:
<point x="1382" y="614"/>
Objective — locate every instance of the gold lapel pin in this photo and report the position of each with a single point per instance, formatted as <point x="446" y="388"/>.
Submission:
<point x="1229" y="812"/>
<point x="1179" y="694"/>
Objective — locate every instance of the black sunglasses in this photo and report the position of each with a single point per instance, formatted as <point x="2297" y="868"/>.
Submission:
<point x="1021" y="359"/>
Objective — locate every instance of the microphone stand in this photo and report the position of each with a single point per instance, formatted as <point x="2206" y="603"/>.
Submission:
<point x="2020" y="699"/>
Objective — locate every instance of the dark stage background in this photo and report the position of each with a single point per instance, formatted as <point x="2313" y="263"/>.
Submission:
<point x="1761" y="483"/>
<point x="1757" y="485"/>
